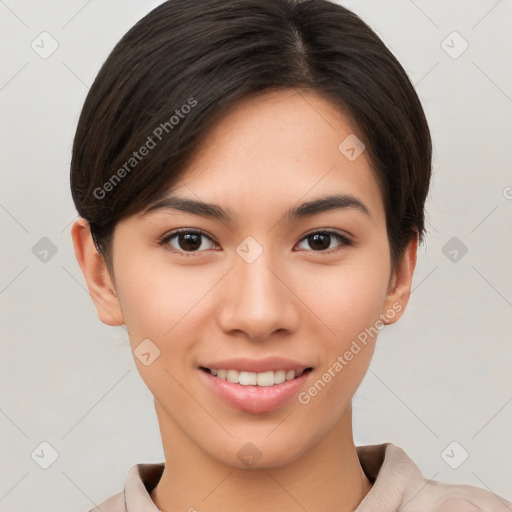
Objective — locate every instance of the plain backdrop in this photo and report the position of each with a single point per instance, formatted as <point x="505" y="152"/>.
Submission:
<point x="439" y="384"/>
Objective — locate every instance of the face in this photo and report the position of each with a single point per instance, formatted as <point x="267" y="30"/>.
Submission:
<point x="269" y="288"/>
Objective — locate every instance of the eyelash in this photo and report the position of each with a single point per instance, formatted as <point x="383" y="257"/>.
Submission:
<point x="165" y="239"/>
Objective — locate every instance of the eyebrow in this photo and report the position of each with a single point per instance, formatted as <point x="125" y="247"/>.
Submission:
<point x="213" y="211"/>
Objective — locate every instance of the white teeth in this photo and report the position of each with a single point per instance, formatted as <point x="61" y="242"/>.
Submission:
<point x="232" y="376"/>
<point x="279" y="376"/>
<point x="255" y="379"/>
<point x="247" y="378"/>
<point x="265" y="379"/>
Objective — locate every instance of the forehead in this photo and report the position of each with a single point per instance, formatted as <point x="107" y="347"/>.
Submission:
<point x="280" y="147"/>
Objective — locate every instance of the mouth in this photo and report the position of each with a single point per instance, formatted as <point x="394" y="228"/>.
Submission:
<point x="261" y="379"/>
<point x="256" y="392"/>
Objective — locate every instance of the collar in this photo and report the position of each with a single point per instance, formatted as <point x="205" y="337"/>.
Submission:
<point x="397" y="484"/>
<point x="379" y="462"/>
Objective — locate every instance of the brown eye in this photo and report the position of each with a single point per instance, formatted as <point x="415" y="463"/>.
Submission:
<point x="189" y="242"/>
<point x="320" y="241"/>
<point x="186" y="240"/>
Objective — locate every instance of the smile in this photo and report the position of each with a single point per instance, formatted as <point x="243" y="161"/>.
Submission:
<point x="265" y="379"/>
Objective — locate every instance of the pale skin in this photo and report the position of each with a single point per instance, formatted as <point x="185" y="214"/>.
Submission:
<point x="266" y="155"/>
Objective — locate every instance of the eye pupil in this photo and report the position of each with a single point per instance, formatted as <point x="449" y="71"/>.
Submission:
<point x="192" y="241"/>
<point x="316" y="241"/>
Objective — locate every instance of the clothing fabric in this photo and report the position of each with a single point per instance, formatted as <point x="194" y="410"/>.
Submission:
<point x="398" y="485"/>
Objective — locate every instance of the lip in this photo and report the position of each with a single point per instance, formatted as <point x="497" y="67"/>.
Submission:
<point x="255" y="399"/>
<point x="257" y="365"/>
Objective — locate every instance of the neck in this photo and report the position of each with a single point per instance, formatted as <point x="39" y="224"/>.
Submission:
<point x="327" y="477"/>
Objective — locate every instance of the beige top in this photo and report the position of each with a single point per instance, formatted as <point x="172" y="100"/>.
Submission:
<point x="398" y="485"/>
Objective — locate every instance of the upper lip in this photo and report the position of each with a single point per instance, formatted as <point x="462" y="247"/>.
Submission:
<point x="257" y="365"/>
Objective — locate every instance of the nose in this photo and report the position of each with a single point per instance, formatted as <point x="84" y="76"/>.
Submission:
<point x="257" y="300"/>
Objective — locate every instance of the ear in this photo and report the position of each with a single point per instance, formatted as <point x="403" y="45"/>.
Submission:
<point x="101" y="287"/>
<point x="400" y="284"/>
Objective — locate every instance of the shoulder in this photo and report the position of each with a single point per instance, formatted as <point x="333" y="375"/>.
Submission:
<point x="443" y="497"/>
<point x="115" y="503"/>
<point x="436" y="496"/>
<point x="398" y="484"/>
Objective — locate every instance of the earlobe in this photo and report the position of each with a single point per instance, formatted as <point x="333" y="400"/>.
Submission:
<point x="400" y="286"/>
<point x="101" y="288"/>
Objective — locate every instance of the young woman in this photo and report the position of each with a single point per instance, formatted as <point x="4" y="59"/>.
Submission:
<point x="251" y="178"/>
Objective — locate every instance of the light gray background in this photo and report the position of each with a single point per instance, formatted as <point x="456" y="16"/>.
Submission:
<point x="442" y="374"/>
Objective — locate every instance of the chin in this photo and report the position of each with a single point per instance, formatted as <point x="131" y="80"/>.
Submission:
<point x="259" y="452"/>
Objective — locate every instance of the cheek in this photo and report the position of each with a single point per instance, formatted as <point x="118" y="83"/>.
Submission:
<point x="166" y="306"/>
<point x="159" y="308"/>
<point x="346" y="299"/>
<point x="350" y="305"/>
<point x="156" y="302"/>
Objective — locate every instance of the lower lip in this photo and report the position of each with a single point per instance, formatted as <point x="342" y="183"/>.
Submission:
<point x="255" y="399"/>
